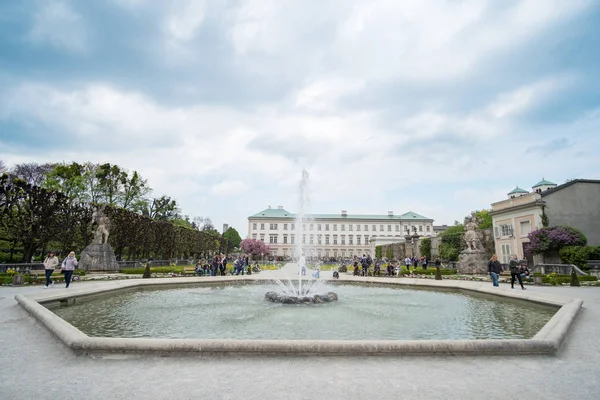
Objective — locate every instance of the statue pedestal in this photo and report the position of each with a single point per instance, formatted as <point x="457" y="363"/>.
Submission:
<point x="98" y="257"/>
<point x="472" y="262"/>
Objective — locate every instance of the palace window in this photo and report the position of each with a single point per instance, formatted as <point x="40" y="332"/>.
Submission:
<point x="381" y="228"/>
<point x="350" y="239"/>
<point x="389" y="228"/>
<point x="374" y="228"/>
<point x="326" y="239"/>
<point x="293" y="239"/>
<point x="342" y="227"/>
<point x="285" y="227"/>
<point x="366" y="227"/>
<point x="254" y="236"/>
<point x="349" y="227"/>
<point x="273" y="239"/>
<point x="335" y="227"/>
<point x="254" y="226"/>
<point x="397" y="228"/>
<point x="273" y="227"/>
<point x="358" y="227"/>
<point x="428" y="228"/>
<point x="318" y="227"/>
<point x="312" y="239"/>
<point x="262" y="227"/>
<point x="334" y="239"/>
<point x="326" y="227"/>
<point x="285" y="237"/>
<point x="303" y="239"/>
<point x="343" y="239"/>
<point x="262" y="237"/>
<point x="357" y="239"/>
<point x="293" y="227"/>
<point x="311" y="227"/>
<point x="420" y="228"/>
<point x="319" y="239"/>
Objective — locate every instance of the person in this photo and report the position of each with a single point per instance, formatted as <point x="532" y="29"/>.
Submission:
<point x="68" y="266"/>
<point x="50" y="264"/>
<point x="214" y="265"/>
<point x="316" y="273"/>
<point x="494" y="269"/>
<point x="377" y="268"/>
<point x="513" y="266"/>
<point x="199" y="270"/>
<point x="407" y="262"/>
<point x="524" y="271"/>
<point x="356" y="272"/>
<point x="424" y="262"/>
<point x="365" y="266"/>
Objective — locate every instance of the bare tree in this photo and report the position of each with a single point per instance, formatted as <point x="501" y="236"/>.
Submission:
<point x="32" y="173"/>
<point x="2" y="166"/>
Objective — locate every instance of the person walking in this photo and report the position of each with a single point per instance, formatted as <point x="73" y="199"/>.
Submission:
<point x="68" y="266"/>
<point x="514" y="268"/>
<point x="407" y="262"/>
<point x="494" y="269"/>
<point x="50" y="264"/>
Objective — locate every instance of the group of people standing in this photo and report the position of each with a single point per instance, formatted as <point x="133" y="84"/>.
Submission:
<point x="517" y="271"/>
<point x="68" y="265"/>
<point x="218" y="266"/>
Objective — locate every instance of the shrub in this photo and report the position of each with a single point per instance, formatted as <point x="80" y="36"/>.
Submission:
<point x="554" y="238"/>
<point x="343" y="268"/>
<point x="579" y="255"/>
<point x="378" y="252"/>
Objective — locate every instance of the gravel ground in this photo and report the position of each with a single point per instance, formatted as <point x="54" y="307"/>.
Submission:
<point x="35" y="365"/>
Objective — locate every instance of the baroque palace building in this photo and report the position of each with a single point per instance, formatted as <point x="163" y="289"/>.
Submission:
<point x="333" y="235"/>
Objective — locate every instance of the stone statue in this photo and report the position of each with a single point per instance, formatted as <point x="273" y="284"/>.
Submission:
<point x="98" y="255"/>
<point x="472" y="260"/>
<point x="471" y="235"/>
<point x="101" y="234"/>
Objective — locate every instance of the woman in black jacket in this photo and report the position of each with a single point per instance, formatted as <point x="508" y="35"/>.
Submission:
<point x="494" y="268"/>
<point x="515" y="272"/>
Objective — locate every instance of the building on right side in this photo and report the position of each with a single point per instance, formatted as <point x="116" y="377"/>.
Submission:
<point x="575" y="204"/>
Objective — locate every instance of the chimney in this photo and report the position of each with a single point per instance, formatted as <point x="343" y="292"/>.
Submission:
<point x="390" y="214"/>
<point x="280" y="207"/>
<point x="344" y="214"/>
<point x="269" y="207"/>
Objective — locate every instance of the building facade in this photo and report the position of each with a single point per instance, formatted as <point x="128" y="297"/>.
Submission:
<point x="333" y="235"/>
<point x="575" y="204"/>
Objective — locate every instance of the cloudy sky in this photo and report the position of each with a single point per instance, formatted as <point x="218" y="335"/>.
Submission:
<point x="438" y="107"/>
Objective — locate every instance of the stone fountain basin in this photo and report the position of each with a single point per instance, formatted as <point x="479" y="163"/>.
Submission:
<point x="546" y="341"/>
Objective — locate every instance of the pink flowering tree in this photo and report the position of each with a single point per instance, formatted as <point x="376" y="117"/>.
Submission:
<point x="254" y="247"/>
<point x="554" y="238"/>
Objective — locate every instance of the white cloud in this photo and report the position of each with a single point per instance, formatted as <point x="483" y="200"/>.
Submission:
<point x="184" y="19"/>
<point x="57" y="24"/>
<point x="229" y="188"/>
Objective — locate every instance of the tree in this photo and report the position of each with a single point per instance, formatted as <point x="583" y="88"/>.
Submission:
<point x="67" y="179"/>
<point x="254" y="247"/>
<point x="486" y="219"/>
<point x="389" y="252"/>
<point x="554" y="238"/>
<point x="452" y="242"/>
<point x="425" y="247"/>
<point x="32" y="173"/>
<point x="163" y="208"/>
<point x="378" y="252"/>
<point x="111" y="180"/>
<point x="233" y="239"/>
<point x="134" y="191"/>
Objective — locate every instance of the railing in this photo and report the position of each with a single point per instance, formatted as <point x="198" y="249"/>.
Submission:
<point x="21" y="267"/>
<point x="562" y="269"/>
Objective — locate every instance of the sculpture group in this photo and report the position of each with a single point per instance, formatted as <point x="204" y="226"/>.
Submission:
<point x="99" y="255"/>
<point x="473" y="259"/>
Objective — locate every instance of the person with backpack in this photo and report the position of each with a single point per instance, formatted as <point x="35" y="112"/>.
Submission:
<point x="365" y="266"/>
<point x="68" y="266"/>
<point x="514" y="268"/>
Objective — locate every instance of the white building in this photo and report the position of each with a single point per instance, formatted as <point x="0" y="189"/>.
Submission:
<point x="333" y="235"/>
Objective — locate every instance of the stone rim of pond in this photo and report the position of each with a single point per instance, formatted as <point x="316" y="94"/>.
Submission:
<point x="546" y="341"/>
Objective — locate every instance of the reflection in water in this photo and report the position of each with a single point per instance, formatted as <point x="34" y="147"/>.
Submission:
<point x="362" y="312"/>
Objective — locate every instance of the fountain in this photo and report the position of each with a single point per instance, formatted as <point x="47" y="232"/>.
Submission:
<point x="309" y="291"/>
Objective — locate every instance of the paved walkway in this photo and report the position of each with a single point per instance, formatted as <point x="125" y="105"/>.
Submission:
<point x="35" y="365"/>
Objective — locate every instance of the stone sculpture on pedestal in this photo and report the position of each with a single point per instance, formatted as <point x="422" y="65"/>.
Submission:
<point x="99" y="255"/>
<point x="473" y="259"/>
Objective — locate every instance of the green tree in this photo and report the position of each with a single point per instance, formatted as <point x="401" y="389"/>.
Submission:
<point x="111" y="179"/>
<point x="134" y="191"/>
<point x="452" y="242"/>
<point x="67" y="179"/>
<point x="389" y="252"/>
<point x="163" y="208"/>
<point x="486" y="219"/>
<point x="378" y="251"/>
<point x="233" y="239"/>
<point x="425" y="247"/>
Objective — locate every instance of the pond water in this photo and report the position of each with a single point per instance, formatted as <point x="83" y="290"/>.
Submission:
<point x="371" y="312"/>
